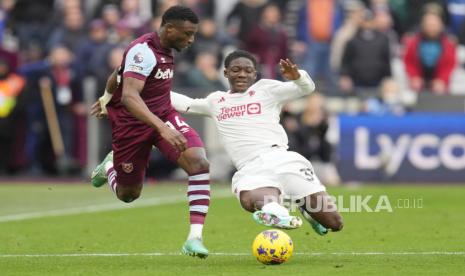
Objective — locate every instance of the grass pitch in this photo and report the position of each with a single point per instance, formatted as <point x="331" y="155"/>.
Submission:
<point x="50" y="229"/>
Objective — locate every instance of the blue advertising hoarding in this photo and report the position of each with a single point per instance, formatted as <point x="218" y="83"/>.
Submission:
<point x="418" y="147"/>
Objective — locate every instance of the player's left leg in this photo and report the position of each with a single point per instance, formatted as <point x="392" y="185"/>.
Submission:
<point x="299" y="182"/>
<point x="194" y="162"/>
<point x="320" y="211"/>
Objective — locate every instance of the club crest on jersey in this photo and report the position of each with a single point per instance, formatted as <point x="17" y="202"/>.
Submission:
<point x="167" y="74"/>
<point x="127" y="167"/>
<point x="138" y="58"/>
<point x="254" y="108"/>
<point x="251" y="93"/>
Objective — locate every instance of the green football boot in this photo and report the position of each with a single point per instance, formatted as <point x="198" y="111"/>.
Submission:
<point x="317" y="227"/>
<point x="99" y="175"/>
<point x="195" y="248"/>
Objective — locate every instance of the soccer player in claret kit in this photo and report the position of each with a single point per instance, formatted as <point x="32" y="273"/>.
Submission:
<point x="141" y="116"/>
<point x="247" y="120"/>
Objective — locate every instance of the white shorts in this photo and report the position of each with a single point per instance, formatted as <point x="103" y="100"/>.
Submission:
<point x="286" y="170"/>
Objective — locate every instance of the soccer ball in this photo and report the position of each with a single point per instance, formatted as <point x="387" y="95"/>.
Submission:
<point x="272" y="247"/>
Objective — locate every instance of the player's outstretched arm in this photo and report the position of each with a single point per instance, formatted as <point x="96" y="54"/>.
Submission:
<point x="289" y="70"/>
<point x="299" y="84"/>
<point x="185" y="104"/>
<point x="99" y="109"/>
<point x="133" y="102"/>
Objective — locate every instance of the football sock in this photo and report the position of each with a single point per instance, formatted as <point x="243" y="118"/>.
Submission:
<point x="198" y="193"/>
<point x="308" y="217"/>
<point x="196" y="231"/>
<point x="111" y="173"/>
<point x="275" y="208"/>
<point x="303" y="210"/>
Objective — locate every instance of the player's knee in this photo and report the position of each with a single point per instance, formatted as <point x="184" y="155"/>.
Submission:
<point x="248" y="206"/>
<point x="247" y="203"/>
<point x="198" y="164"/>
<point x="336" y="223"/>
<point x="128" y="196"/>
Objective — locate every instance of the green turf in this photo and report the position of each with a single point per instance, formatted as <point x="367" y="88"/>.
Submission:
<point x="436" y="227"/>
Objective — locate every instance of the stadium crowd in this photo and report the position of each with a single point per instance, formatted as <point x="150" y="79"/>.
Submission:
<point x="380" y="52"/>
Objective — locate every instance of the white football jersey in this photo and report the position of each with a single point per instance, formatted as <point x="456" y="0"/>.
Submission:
<point x="248" y="123"/>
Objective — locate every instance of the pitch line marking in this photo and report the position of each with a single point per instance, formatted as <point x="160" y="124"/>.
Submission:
<point x="105" y="207"/>
<point x="156" y="254"/>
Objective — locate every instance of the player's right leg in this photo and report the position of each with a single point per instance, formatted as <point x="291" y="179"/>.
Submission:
<point x="124" y="168"/>
<point x="126" y="188"/>
<point x="264" y="204"/>
<point x="99" y="175"/>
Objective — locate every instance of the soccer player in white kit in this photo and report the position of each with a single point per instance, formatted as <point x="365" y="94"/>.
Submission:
<point x="247" y="120"/>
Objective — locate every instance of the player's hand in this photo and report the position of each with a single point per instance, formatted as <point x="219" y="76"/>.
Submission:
<point x="288" y="69"/>
<point x="174" y="137"/>
<point x="96" y="110"/>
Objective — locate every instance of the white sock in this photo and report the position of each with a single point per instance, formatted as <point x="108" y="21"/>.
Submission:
<point x="108" y="165"/>
<point x="196" y="231"/>
<point x="275" y="208"/>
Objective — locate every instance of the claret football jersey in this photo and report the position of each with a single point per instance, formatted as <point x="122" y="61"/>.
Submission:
<point x="145" y="59"/>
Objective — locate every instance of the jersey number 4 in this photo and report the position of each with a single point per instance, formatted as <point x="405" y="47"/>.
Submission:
<point x="180" y="123"/>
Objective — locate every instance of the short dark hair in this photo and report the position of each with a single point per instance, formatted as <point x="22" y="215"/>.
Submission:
<point x="240" y="54"/>
<point x="179" y="13"/>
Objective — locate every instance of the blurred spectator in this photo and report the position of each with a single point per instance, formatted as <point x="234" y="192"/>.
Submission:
<point x="32" y="53"/>
<point x="205" y="74"/>
<point x="407" y="13"/>
<point x="203" y="8"/>
<point x="354" y="13"/>
<point x="268" y="41"/>
<point x="243" y="18"/>
<point x="71" y="33"/>
<point x="388" y="102"/>
<point x="31" y="20"/>
<point x="384" y="24"/>
<point x="66" y="83"/>
<point x="100" y="6"/>
<point x="131" y="15"/>
<point x="10" y="57"/>
<point x="162" y="6"/>
<point x="313" y="125"/>
<point x="456" y="11"/>
<point x="92" y="53"/>
<point x="290" y="124"/>
<point x="310" y="138"/>
<point x="115" y="58"/>
<point x="317" y="23"/>
<point x="11" y="85"/>
<point x="5" y="8"/>
<point x="430" y="56"/>
<point x="111" y="17"/>
<point x="207" y="39"/>
<point x="366" y="61"/>
<point x="124" y="34"/>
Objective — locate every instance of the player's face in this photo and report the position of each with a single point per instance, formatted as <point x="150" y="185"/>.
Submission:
<point x="241" y="74"/>
<point x="181" y="34"/>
